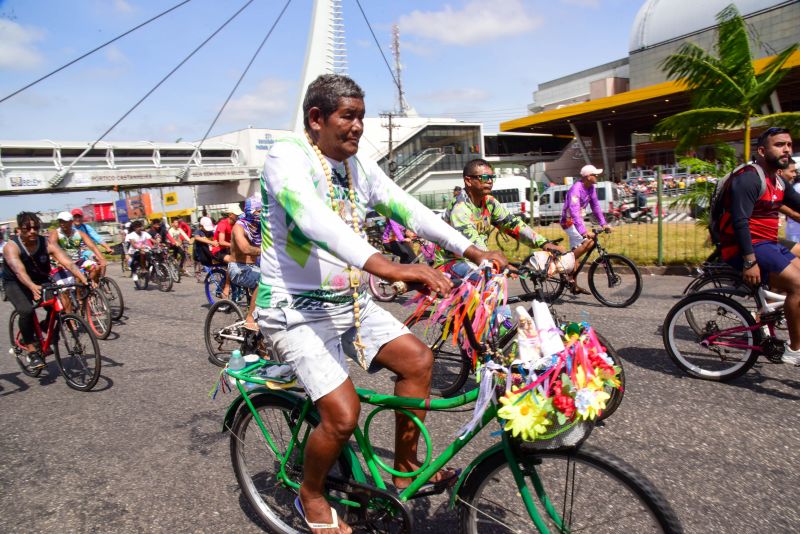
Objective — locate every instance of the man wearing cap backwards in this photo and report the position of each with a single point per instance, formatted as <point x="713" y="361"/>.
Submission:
<point x="75" y="243"/>
<point x="311" y="299"/>
<point x="581" y="194"/>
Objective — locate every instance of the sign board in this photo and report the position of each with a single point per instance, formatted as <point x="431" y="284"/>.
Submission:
<point x="170" y="199"/>
<point x="122" y="211"/>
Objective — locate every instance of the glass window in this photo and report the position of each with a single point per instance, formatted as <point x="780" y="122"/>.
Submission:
<point x="601" y="193"/>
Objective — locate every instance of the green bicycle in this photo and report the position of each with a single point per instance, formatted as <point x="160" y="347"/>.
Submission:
<point x="554" y="485"/>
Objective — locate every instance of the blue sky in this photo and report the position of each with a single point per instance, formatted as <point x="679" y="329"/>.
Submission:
<point x="474" y="60"/>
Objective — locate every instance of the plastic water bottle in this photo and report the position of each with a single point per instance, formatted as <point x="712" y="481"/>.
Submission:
<point x="236" y="363"/>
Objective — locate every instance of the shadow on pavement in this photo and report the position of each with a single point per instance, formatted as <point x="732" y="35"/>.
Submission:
<point x="754" y="379"/>
<point x="103" y="384"/>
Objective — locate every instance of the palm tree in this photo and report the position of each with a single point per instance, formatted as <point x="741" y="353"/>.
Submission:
<point x="698" y="196"/>
<point x="725" y="90"/>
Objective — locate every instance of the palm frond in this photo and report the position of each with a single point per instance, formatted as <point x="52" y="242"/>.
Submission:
<point x="690" y="127"/>
<point x="704" y="75"/>
<point x="733" y="47"/>
<point x="787" y="119"/>
<point x="767" y="81"/>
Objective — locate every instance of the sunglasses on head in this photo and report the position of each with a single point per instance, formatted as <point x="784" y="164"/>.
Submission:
<point x="483" y="177"/>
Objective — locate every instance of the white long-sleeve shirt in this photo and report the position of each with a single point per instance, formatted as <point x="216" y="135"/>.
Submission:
<point x="306" y="245"/>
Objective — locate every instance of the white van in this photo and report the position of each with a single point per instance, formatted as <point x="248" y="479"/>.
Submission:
<point x="514" y="192"/>
<point x="551" y="201"/>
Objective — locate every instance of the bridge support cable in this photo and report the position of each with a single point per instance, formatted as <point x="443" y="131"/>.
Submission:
<point x="90" y="52"/>
<point x="378" y="44"/>
<point x="59" y="176"/>
<point x="184" y="172"/>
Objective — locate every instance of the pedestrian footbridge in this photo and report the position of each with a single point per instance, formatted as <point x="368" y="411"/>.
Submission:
<point x="28" y="167"/>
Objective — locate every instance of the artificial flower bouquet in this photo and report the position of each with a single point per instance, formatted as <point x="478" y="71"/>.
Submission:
<point x="559" y="391"/>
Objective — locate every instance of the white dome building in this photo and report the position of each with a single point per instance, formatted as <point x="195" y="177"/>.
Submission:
<point x="661" y="26"/>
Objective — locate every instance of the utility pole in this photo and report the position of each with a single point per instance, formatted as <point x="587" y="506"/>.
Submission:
<point x="391" y="126"/>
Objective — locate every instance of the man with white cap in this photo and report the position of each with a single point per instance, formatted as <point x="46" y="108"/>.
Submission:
<point x="581" y="194"/>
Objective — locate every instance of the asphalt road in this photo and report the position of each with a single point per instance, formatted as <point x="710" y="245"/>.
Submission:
<point x="143" y="452"/>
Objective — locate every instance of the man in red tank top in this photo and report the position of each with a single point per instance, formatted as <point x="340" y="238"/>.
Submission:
<point x="749" y="229"/>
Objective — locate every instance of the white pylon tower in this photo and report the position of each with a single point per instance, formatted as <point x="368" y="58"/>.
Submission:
<point x="326" y="51"/>
<point x="402" y="105"/>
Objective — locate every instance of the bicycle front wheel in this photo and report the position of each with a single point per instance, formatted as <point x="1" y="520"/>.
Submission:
<point x="162" y="277"/>
<point x="257" y="461"/>
<point x="381" y="289"/>
<point x="451" y="367"/>
<point x="615" y="281"/>
<point x="711" y="337"/>
<point x="223" y="331"/>
<point x="583" y="490"/>
<point x="97" y="313"/>
<point x="113" y="294"/>
<point x="77" y="353"/>
<point x="616" y="394"/>
<point x="214" y="284"/>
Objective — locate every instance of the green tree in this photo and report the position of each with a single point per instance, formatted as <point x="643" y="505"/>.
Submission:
<point x="698" y="196"/>
<point x="725" y="90"/>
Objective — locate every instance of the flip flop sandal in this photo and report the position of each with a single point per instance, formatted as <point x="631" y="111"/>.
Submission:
<point x="439" y="484"/>
<point x="299" y="507"/>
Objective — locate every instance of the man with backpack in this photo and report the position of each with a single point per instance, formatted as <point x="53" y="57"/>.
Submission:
<point x="745" y="217"/>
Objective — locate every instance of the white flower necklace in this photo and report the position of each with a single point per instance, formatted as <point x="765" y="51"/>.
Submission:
<point x="354" y="274"/>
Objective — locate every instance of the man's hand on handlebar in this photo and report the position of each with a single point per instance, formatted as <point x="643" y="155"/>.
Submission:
<point x="36" y="290"/>
<point x="607" y="229"/>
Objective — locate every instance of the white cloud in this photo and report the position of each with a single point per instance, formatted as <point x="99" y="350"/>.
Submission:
<point x="455" y="95"/>
<point x="18" y="45"/>
<point x="270" y="101"/>
<point x="582" y="3"/>
<point x="115" y="55"/>
<point x="122" y="6"/>
<point x="486" y="19"/>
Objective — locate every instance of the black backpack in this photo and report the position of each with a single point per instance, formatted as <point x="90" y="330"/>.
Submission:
<point x="716" y="207"/>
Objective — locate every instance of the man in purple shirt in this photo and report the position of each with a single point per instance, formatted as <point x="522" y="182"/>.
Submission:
<point x="580" y="195"/>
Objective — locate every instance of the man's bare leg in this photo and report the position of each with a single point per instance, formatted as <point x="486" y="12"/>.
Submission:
<point x="412" y="362"/>
<point x="249" y="321"/>
<point x="338" y="411"/>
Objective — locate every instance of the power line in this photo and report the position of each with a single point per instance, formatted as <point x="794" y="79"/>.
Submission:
<point x="117" y="38"/>
<point x="182" y="173"/>
<point x="55" y="180"/>
<point x="391" y="72"/>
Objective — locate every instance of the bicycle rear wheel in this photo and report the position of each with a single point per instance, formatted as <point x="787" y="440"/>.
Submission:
<point x="174" y="272"/>
<point x="582" y="490"/>
<point x="19" y="354"/>
<point x="451" y="367"/>
<point x="214" y="284"/>
<point x="696" y="318"/>
<point x="223" y="331"/>
<point x="77" y="353"/>
<point x="381" y="289"/>
<point x="257" y="462"/>
<point x="615" y="281"/>
<point x="551" y="287"/>
<point x="113" y="294"/>
<point x="505" y="243"/>
<point x="97" y="313"/>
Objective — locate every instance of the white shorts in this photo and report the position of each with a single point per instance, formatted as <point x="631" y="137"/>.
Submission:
<point x="575" y="238"/>
<point x="315" y="342"/>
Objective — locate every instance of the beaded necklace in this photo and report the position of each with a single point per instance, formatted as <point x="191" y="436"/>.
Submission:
<point x="354" y="274"/>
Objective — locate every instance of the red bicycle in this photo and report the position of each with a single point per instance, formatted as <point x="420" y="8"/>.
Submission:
<point x="64" y="335"/>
